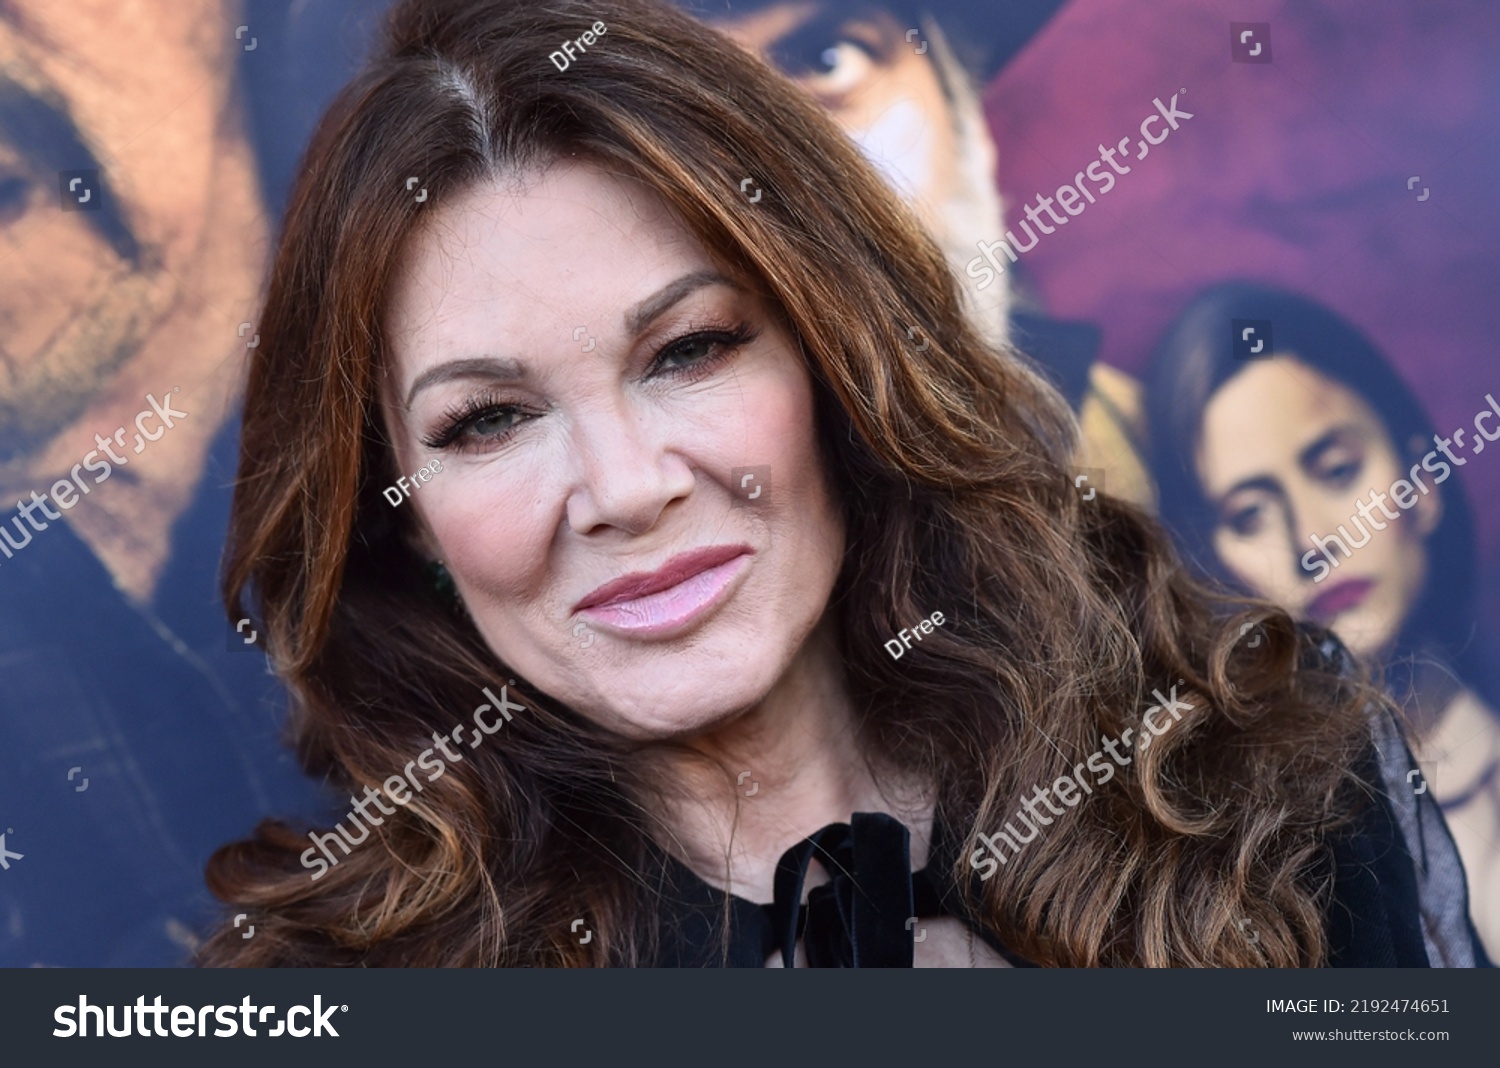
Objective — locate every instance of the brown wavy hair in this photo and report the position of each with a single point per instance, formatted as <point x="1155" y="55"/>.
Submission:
<point x="951" y="465"/>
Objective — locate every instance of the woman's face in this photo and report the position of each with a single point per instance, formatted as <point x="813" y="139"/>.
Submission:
<point x="1287" y="453"/>
<point x="632" y="502"/>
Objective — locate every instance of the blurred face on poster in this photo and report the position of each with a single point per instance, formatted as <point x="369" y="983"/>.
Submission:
<point x="131" y="238"/>
<point x="891" y="77"/>
<point x="1287" y="452"/>
<point x="901" y="95"/>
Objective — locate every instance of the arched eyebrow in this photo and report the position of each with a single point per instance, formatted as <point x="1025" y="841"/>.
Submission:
<point x="1307" y="457"/>
<point x="495" y="368"/>
<point x="1264" y="483"/>
<point x="47" y="140"/>
<point x="648" y="310"/>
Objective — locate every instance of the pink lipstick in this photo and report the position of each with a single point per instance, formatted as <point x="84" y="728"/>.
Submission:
<point x="666" y="601"/>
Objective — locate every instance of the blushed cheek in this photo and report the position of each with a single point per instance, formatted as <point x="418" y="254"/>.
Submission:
<point x="778" y="425"/>
<point x="494" y="544"/>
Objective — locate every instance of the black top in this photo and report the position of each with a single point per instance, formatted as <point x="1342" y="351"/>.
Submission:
<point x="859" y="919"/>
<point x="856" y="920"/>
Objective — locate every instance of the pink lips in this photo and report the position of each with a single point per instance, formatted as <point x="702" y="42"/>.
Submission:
<point x="1340" y="598"/>
<point x="668" y="599"/>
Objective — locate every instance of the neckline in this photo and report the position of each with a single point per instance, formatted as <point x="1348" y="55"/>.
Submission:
<point x="752" y="922"/>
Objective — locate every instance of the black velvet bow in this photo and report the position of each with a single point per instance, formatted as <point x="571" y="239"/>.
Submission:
<point x="859" y="919"/>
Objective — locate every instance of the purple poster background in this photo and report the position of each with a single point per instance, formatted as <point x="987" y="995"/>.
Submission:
<point x="1293" y="172"/>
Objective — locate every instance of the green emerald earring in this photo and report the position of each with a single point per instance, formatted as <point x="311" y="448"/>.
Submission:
<point x="441" y="581"/>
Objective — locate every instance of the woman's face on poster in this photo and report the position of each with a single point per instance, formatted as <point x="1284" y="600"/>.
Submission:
<point x="1287" y="453"/>
<point x="632" y="502"/>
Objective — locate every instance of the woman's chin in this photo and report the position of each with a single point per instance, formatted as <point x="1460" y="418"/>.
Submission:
<point x="1366" y="634"/>
<point x="660" y="709"/>
<point x="671" y="722"/>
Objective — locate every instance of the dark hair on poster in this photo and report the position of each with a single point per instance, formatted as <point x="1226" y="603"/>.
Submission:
<point x="1197" y="359"/>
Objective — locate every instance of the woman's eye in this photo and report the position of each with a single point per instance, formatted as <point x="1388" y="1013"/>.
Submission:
<point x="476" y="425"/>
<point x="1247" y="515"/>
<point x="688" y="351"/>
<point x="1246" y="521"/>
<point x="702" y="351"/>
<point x="493" y="423"/>
<point x="1341" y="472"/>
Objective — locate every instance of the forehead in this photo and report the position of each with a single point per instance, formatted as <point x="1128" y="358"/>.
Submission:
<point x="1262" y="419"/>
<point x="516" y="257"/>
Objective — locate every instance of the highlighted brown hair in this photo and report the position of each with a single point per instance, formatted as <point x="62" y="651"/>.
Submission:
<point x="951" y="466"/>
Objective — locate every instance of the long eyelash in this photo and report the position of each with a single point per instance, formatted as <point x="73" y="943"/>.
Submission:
<point x="457" y="418"/>
<point x="728" y="339"/>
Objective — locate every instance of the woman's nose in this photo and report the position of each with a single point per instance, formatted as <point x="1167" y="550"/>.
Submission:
<point x="627" y="473"/>
<point x="1309" y="513"/>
